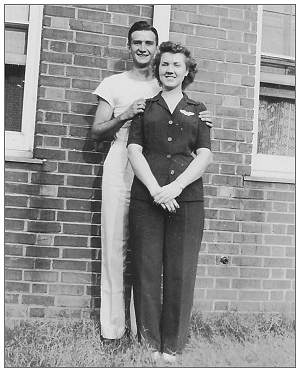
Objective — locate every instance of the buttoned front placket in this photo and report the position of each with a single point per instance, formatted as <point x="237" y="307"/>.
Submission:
<point x="173" y="130"/>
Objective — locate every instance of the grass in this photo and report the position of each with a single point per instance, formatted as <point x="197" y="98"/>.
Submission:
<point x="224" y="340"/>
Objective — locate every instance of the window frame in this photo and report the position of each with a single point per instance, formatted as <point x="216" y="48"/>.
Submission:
<point x="20" y="144"/>
<point x="265" y="166"/>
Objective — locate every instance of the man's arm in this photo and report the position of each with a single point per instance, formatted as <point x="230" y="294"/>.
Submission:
<point x="105" y="125"/>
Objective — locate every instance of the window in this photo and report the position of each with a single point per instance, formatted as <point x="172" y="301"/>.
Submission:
<point x="274" y="141"/>
<point x="23" y="27"/>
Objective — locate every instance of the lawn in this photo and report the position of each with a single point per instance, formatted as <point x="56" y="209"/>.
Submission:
<point x="223" y="340"/>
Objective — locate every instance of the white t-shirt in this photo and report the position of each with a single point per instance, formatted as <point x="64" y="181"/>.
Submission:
<point x="121" y="90"/>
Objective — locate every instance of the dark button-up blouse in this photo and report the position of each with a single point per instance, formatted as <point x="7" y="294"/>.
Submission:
<point x="168" y="141"/>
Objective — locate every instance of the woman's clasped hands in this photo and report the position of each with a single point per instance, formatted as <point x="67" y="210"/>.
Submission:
<point x="166" y="196"/>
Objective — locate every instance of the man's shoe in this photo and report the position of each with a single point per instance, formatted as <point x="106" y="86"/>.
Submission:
<point x="169" y="358"/>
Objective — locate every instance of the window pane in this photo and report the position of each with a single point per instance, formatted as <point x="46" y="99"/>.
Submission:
<point x="278" y="34"/>
<point x="276" y="127"/>
<point x="14" y="89"/>
<point x="15" y="40"/>
<point x="16" y="13"/>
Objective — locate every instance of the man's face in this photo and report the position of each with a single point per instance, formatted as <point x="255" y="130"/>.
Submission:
<point x="142" y="47"/>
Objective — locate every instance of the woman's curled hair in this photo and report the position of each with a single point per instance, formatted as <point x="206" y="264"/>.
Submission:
<point x="171" y="47"/>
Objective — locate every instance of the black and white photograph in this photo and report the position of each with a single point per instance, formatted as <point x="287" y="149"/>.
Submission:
<point x="149" y="185"/>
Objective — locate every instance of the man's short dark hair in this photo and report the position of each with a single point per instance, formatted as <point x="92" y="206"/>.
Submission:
<point x="142" y="26"/>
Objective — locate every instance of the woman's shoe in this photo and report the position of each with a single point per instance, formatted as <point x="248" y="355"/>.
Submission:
<point x="156" y="355"/>
<point x="169" y="358"/>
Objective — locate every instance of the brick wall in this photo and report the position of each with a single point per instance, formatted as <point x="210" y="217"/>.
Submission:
<point x="251" y="223"/>
<point x="53" y="209"/>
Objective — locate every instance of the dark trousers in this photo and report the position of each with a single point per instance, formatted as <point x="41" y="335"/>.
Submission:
<point x="164" y="243"/>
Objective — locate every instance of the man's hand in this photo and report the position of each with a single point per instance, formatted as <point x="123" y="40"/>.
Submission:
<point x="168" y="193"/>
<point x="206" y="116"/>
<point x="136" y="107"/>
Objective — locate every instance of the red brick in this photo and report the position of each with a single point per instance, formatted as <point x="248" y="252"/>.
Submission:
<point x="226" y="180"/>
<point x="253" y="295"/>
<point x="16" y="287"/>
<point x="250" y="272"/>
<point x="13" y="225"/>
<point x="223" y="248"/>
<point x="69" y="265"/>
<point x="81" y="229"/>
<point x="84" y="157"/>
<point x="222" y="294"/>
<point x="70" y="241"/>
<point x="57" y="46"/>
<point x="50" y="105"/>
<point x="48" y="179"/>
<point x="65" y="58"/>
<point x="47" y="227"/>
<point x="255" y="250"/>
<point x="42" y="264"/>
<point x="250" y="216"/>
<point x="222" y="283"/>
<point x="77" y="193"/>
<point x="60" y="11"/>
<point x="63" y="289"/>
<point x="290" y="273"/>
<point x="11" y="298"/>
<point x="224" y="225"/>
<point x="74" y="217"/>
<point x="94" y="266"/>
<point x="278" y="239"/>
<point x="90" y="38"/>
<point x="278" y="307"/>
<point x="38" y="300"/>
<point x="78" y="119"/>
<point x="278" y="262"/>
<point x="247" y="261"/>
<point x="53" y="34"/>
<point x="11" y="176"/>
<point x="246" y="283"/>
<point x="19" y="262"/>
<point x="13" y="250"/>
<point x="20" y="188"/>
<point x="18" y="201"/>
<point x="80" y="278"/>
<point x="53" y="81"/>
<point x="50" y="154"/>
<point x="223" y="271"/>
<point x="72" y="301"/>
<point x="41" y="276"/>
<point x="13" y="275"/>
<point x="81" y="169"/>
<point x="36" y="312"/>
<point x="22" y="238"/>
<point x="93" y="290"/>
<point x="277" y="273"/>
<point x="47" y="203"/>
<point x="81" y="253"/>
<point x="84" y="84"/>
<point x="39" y="288"/>
<point x="277" y="284"/>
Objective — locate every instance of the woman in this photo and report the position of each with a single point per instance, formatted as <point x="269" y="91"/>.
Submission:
<point x="166" y="211"/>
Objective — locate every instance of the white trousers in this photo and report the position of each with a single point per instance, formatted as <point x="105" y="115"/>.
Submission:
<point x="116" y="184"/>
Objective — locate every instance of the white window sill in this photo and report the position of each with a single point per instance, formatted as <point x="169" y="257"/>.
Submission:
<point x="17" y="159"/>
<point x="269" y="179"/>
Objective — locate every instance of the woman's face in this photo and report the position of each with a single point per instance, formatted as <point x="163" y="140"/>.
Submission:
<point x="172" y="70"/>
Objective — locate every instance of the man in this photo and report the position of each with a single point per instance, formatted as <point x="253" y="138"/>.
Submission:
<point x="121" y="97"/>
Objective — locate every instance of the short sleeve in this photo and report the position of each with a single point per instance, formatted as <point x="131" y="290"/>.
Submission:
<point x="203" y="136"/>
<point x="136" y="132"/>
<point x="105" y="90"/>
